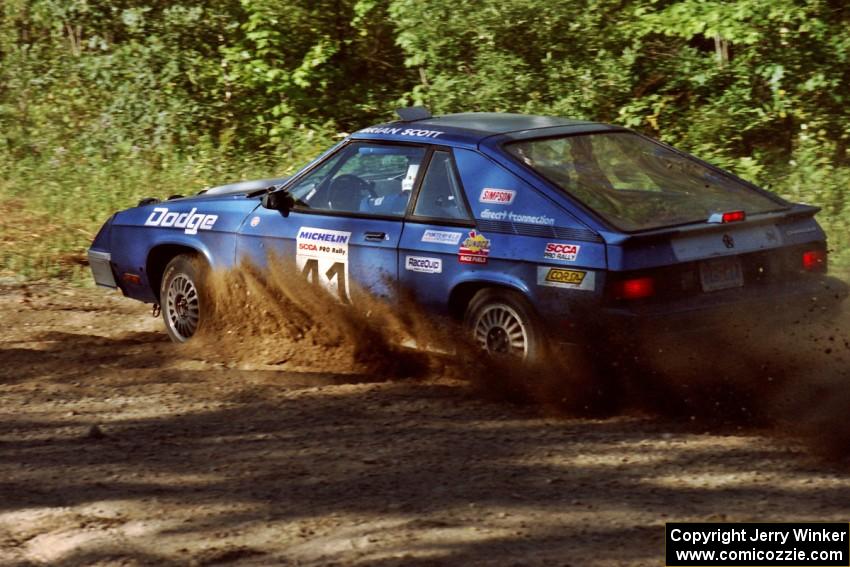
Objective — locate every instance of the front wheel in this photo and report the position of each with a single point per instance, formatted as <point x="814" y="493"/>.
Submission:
<point x="503" y="323"/>
<point x="181" y="300"/>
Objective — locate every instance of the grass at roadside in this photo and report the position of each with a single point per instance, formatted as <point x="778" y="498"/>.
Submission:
<point x="50" y="210"/>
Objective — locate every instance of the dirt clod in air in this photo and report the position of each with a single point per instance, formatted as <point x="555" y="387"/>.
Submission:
<point x="272" y="315"/>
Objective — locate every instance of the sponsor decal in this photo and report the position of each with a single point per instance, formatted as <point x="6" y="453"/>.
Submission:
<point x="497" y="196"/>
<point x="563" y="252"/>
<point x="322" y="257"/>
<point x="441" y="237"/>
<point x="517" y="218"/>
<point x="424" y="265"/>
<point x="570" y="279"/>
<point x="255" y="221"/>
<point x="190" y="222"/>
<point x="402" y="132"/>
<point x="313" y="235"/>
<point x="474" y="250"/>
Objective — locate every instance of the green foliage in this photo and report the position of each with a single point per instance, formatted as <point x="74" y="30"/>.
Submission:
<point x="112" y="100"/>
<point x="50" y="210"/>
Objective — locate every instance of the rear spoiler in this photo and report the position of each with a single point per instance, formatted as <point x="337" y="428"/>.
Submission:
<point x="795" y="212"/>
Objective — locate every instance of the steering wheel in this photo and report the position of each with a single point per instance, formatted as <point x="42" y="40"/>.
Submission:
<point x="346" y="192"/>
<point x="348" y="180"/>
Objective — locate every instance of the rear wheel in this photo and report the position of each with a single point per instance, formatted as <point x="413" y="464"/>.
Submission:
<point x="181" y="298"/>
<point x="503" y="323"/>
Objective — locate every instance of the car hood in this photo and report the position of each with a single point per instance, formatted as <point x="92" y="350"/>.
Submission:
<point x="243" y="186"/>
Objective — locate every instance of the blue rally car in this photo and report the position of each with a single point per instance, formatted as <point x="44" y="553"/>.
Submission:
<point x="529" y="229"/>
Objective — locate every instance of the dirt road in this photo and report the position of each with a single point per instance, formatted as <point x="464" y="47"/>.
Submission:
<point x="117" y="448"/>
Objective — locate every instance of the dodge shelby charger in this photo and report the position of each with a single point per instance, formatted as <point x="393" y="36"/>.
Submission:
<point x="529" y="229"/>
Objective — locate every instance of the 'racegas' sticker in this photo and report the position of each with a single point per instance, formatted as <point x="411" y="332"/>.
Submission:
<point x="441" y="237"/>
<point x="563" y="252"/>
<point x="424" y="265"/>
<point x="497" y="196"/>
<point x="474" y="250"/>
<point x="570" y="279"/>
<point x="190" y="222"/>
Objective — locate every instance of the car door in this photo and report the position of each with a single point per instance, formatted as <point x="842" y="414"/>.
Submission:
<point x="345" y="227"/>
<point x="435" y="233"/>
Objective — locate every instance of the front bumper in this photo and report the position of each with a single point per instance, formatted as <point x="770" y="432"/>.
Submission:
<point x="101" y="268"/>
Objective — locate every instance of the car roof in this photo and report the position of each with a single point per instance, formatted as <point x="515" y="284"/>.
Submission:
<point x="470" y="128"/>
<point x="492" y="123"/>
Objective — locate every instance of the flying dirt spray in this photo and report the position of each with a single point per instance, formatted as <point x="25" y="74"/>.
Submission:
<point x="794" y="379"/>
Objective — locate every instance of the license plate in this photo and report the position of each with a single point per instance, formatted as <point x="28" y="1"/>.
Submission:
<point x="721" y="274"/>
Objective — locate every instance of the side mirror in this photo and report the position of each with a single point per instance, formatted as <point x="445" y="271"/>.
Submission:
<point x="278" y="201"/>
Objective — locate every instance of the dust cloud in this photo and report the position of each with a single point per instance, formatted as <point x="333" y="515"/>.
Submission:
<point x="271" y="315"/>
<point x="791" y="377"/>
<point x="787" y="379"/>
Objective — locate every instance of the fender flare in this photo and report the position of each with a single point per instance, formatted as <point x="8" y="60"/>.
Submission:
<point x="466" y="286"/>
<point x="163" y="252"/>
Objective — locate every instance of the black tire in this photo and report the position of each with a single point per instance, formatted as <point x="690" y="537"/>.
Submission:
<point x="503" y="323"/>
<point x="184" y="306"/>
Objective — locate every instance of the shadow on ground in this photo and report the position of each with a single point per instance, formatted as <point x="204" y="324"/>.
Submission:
<point x="267" y="465"/>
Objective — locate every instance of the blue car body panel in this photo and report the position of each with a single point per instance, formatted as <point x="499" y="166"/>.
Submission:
<point x="523" y="234"/>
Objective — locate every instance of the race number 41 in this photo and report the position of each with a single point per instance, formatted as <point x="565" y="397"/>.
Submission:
<point x="322" y="257"/>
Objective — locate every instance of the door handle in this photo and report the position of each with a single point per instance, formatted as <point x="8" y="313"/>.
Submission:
<point x="376" y="236"/>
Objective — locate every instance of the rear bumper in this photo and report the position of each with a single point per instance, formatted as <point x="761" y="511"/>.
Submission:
<point x="806" y="300"/>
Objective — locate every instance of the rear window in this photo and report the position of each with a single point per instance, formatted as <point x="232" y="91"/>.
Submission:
<point x="635" y="183"/>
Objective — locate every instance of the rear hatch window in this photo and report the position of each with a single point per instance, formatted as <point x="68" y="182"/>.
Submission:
<point x="637" y="184"/>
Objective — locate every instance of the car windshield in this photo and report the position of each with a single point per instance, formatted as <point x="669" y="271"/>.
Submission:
<point x="637" y="184"/>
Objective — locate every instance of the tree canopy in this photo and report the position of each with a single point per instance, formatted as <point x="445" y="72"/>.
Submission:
<point x="760" y="87"/>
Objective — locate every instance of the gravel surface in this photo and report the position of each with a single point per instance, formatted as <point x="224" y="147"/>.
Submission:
<point x="119" y="448"/>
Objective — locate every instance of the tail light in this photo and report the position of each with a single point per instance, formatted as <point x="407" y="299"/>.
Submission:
<point x="814" y="260"/>
<point x="731" y="216"/>
<point x="633" y="288"/>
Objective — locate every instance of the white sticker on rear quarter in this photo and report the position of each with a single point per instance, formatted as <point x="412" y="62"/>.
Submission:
<point x="583" y="280"/>
<point x="561" y="251"/>
<point x="497" y="196"/>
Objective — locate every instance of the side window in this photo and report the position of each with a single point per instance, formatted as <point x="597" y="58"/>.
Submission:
<point x="363" y="178"/>
<point x="306" y="188"/>
<point x="440" y="195"/>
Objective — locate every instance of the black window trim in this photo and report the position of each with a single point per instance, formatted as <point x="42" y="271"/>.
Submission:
<point x="408" y="215"/>
<point x="360" y="214"/>
<point x="468" y="222"/>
